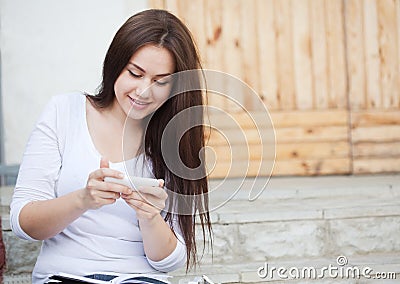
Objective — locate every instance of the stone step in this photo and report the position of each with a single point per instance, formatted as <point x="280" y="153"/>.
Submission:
<point x="293" y="218"/>
<point x="373" y="268"/>
<point x="307" y="217"/>
<point x="322" y="270"/>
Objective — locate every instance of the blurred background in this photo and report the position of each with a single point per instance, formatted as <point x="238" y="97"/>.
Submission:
<point x="328" y="72"/>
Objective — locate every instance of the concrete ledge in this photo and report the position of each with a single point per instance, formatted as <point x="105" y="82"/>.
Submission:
<point x="294" y="218"/>
<point x="377" y="210"/>
<point x="246" y="272"/>
<point x="280" y="188"/>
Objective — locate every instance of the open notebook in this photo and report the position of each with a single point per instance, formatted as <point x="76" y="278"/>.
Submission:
<point x="119" y="279"/>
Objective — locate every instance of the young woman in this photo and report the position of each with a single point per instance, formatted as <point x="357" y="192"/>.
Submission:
<point x="89" y="225"/>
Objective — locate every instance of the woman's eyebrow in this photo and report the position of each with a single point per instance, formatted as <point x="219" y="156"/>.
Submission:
<point x="144" y="71"/>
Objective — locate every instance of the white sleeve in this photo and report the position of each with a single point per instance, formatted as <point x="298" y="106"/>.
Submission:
<point x="177" y="258"/>
<point x="39" y="168"/>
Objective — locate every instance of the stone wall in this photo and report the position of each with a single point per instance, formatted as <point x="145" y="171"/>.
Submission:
<point x="2" y="254"/>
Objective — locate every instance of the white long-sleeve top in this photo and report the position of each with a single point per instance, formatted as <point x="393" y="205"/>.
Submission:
<point x="58" y="158"/>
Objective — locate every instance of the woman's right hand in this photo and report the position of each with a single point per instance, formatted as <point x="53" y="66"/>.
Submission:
<point x="97" y="192"/>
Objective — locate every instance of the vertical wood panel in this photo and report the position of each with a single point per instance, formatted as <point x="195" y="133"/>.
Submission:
<point x="388" y="52"/>
<point x="355" y="53"/>
<point x="286" y="88"/>
<point x="336" y="54"/>
<point x="197" y="28"/>
<point x="173" y="6"/>
<point x="213" y="30"/>
<point x="308" y="59"/>
<point x="372" y="54"/>
<point x="233" y="48"/>
<point x="157" y="4"/>
<point x="214" y="49"/>
<point x="267" y="52"/>
<point x="302" y="54"/>
<point x="319" y="53"/>
<point x="250" y="51"/>
<point x="398" y="48"/>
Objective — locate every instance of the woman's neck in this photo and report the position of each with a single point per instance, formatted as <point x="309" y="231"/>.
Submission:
<point x="118" y="117"/>
<point x="109" y="129"/>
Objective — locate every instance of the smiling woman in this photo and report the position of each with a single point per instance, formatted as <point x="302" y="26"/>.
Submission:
<point x="61" y="196"/>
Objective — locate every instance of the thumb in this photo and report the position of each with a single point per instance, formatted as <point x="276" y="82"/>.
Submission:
<point x="104" y="163"/>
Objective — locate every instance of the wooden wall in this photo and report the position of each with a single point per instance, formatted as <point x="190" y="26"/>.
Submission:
<point x="327" y="70"/>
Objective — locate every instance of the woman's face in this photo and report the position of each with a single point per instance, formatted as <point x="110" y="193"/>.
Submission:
<point x="144" y="84"/>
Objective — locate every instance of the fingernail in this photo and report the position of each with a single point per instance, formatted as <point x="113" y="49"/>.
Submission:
<point x="121" y="175"/>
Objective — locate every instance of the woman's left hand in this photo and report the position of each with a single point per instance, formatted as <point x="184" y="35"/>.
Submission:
<point x="147" y="201"/>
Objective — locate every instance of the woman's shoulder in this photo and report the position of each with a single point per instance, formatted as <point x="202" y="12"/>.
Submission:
<point x="68" y="99"/>
<point x="67" y="104"/>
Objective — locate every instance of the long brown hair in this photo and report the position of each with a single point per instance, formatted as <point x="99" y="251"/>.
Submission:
<point x="161" y="28"/>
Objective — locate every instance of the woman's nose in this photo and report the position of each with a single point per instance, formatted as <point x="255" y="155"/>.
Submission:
<point x="144" y="89"/>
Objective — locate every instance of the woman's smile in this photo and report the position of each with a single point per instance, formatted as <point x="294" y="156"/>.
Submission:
<point x="138" y="104"/>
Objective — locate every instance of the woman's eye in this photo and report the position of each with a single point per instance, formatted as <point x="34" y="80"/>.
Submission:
<point x="134" y="74"/>
<point x="162" y="83"/>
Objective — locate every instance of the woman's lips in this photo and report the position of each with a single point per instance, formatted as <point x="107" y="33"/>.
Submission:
<point x="138" y="104"/>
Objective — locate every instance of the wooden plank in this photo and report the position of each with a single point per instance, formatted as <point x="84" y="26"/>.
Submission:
<point x="214" y="56"/>
<point x="157" y="4"/>
<point x="314" y="150"/>
<point x="283" y="135"/>
<point x="370" y="118"/>
<point x="387" y="133"/>
<point x="372" y="54"/>
<point x="311" y="134"/>
<point x="388" y="48"/>
<point x="239" y="137"/>
<point x="242" y="169"/>
<point x="377" y="150"/>
<point x="250" y="51"/>
<point x="253" y="152"/>
<point x="195" y="25"/>
<point x="319" y="54"/>
<point x="213" y="31"/>
<point x="284" y="151"/>
<point x="240" y="119"/>
<point x="283" y="24"/>
<point x="309" y="118"/>
<point x="283" y="167"/>
<point x="233" y="50"/>
<point x="312" y="167"/>
<point x="279" y="119"/>
<point x="336" y="54"/>
<point x="267" y="65"/>
<point x="302" y="54"/>
<point x="370" y="166"/>
<point x="173" y="6"/>
<point x="398" y="46"/>
<point x="355" y="53"/>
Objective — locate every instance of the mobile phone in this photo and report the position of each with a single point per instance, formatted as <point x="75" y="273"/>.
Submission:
<point x="133" y="182"/>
